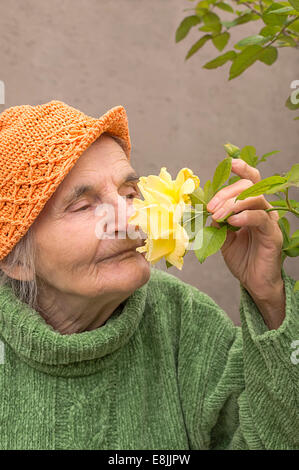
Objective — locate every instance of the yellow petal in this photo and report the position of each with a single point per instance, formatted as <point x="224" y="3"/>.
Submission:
<point x="181" y="244"/>
<point x="159" y="248"/>
<point x="181" y="187"/>
<point x="158" y="184"/>
<point x="159" y="197"/>
<point x="181" y="239"/>
<point x="141" y="216"/>
<point x="178" y="211"/>
<point x="160" y="222"/>
<point x="175" y="261"/>
<point x="141" y="249"/>
<point x="188" y="187"/>
<point x="165" y="175"/>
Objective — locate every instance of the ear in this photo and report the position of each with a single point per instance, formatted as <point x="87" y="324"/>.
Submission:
<point x="18" y="272"/>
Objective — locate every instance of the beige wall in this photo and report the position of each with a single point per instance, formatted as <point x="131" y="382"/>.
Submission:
<point x="96" y="54"/>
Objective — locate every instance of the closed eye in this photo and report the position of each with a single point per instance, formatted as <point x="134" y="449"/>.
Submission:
<point x="130" y="196"/>
<point x="82" y="208"/>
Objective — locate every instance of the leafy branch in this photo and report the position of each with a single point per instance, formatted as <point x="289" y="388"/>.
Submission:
<point x="280" y="28"/>
<point x="212" y="238"/>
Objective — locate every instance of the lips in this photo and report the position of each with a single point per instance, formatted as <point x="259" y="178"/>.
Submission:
<point x="123" y="252"/>
<point x="130" y="250"/>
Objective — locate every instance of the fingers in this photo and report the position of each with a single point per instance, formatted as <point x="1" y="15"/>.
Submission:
<point x="253" y="218"/>
<point x="249" y="176"/>
<point x="228" y="192"/>
<point x="256" y="202"/>
<point x="224" y="201"/>
<point x="241" y="168"/>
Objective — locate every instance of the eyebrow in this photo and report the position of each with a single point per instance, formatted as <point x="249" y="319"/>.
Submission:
<point x="82" y="189"/>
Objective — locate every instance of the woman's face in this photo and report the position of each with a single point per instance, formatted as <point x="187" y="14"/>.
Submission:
<point x="73" y="255"/>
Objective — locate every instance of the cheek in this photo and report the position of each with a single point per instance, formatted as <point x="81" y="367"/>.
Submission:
<point x="63" y="247"/>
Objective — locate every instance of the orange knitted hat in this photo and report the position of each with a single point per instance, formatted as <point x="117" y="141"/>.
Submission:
<point x="39" y="145"/>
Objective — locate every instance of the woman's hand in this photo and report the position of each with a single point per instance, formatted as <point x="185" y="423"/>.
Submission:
<point x="253" y="253"/>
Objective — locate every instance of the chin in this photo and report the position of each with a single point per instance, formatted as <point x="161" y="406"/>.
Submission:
<point x="127" y="273"/>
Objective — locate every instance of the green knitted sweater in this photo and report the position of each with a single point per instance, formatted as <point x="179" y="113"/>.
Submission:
<point x="168" y="370"/>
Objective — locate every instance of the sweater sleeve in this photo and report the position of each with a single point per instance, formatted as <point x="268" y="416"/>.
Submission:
<point x="239" y="385"/>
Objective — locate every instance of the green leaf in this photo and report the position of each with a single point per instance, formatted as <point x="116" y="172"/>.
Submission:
<point x="200" y="12"/>
<point x="205" y="216"/>
<point x="210" y="29"/>
<point x="281" y="212"/>
<point x="211" y="18"/>
<point x="185" y="27"/>
<point x="201" y="42"/>
<point x="208" y="191"/>
<point x="220" y="60"/>
<point x="256" y="39"/>
<point x="295" y="4"/>
<point x="266" y="155"/>
<point x="189" y="223"/>
<point x="211" y="22"/>
<point x="221" y="40"/>
<point x="268" y="55"/>
<point x="212" y="240"/>
<point x="224" y="6"/>
<point x="233" y="179"/>
<point x="292" y="249"/>
<point x="228" y="24"/>
<point x="266" y="186"/>
<point x="273" y="19"/>
<point x="283" y="203"/>
<point x="194" y="223"/>
<point x="293" y="175"/>
<point x="286" y="41"/>
<point x="248" y="154"/>
<point x="198" y="197"/>
<point x="241" y="20"/>
<point x="295" y="234"/>
<point x="270" y="30"/>
<point x="244" y="60"/>
<point x="168" y="264"/>
<point x="290" y="101"/>
<point x="284" y="10"/>
<point x="285" y="229"/>
<point x="203" y="4"/>
<point x="296" y="286"/>
<point x="294" y="26"/>
<point x="222" y="173"/>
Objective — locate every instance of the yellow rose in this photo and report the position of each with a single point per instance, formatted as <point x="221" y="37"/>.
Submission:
<point x="172" y="191"/>
<point x="160" y="213"/>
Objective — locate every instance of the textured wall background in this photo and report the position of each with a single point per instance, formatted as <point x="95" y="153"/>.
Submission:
<point x="95" y="55"/>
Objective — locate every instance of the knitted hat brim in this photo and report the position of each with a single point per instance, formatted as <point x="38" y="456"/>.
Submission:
<point x="114" y="122"/>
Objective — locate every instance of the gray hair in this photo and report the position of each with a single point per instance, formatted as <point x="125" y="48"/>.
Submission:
<point x="119" y="140"/>
<point x="24" y="254"/>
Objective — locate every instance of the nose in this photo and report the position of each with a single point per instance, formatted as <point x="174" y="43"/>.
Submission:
<point x="113" y="216"/>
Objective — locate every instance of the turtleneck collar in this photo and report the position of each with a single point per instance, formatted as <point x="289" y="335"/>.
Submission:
<point x="39" y="345"/>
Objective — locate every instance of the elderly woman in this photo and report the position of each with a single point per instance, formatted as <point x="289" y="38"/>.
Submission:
<point x="102" y="351"/>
